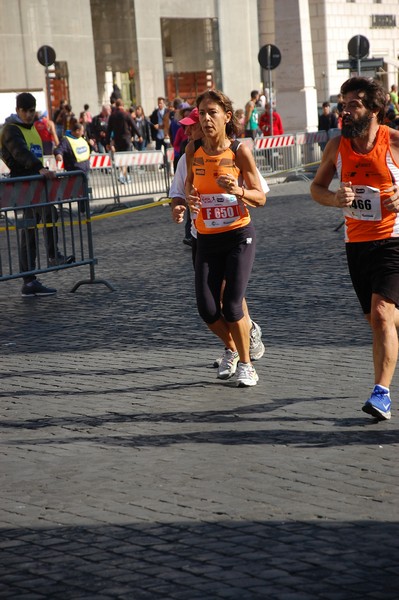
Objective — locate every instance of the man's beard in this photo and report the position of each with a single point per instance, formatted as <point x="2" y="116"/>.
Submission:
<point x="357" y="128"/>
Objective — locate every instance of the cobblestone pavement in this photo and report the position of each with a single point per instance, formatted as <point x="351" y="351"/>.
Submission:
<point x="128" y="471"/>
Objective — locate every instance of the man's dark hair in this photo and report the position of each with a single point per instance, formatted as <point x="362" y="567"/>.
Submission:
<point x="370" y="92"/>
<point x="76" y="126"/>
<point x="325" y="104"/>
<point x="254" y="93"/>
<point x="26" y="101"/>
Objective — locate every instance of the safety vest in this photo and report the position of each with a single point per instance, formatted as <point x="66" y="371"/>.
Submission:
<point x="32" y="140"/>
<point x="80" y="148"/>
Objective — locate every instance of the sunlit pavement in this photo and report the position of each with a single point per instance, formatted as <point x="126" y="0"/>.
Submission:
<point x="129" y="471"/>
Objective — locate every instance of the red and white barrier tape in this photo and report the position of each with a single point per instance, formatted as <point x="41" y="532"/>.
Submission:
<point x="100" y="161"/>
<point x="128" y="159"/>
<point x="280" y="141"/>
<point x="311" y="137"/>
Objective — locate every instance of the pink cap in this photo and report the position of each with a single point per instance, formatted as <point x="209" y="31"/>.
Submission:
<point x="192" y="119"/>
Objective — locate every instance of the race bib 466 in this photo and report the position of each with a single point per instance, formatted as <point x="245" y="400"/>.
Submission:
<point x="366" y="205"/>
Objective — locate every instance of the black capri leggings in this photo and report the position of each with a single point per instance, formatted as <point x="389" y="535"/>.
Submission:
<point x="223" y="256"/>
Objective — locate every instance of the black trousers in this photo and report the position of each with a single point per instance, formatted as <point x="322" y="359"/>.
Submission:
<point x="28" y="247"/>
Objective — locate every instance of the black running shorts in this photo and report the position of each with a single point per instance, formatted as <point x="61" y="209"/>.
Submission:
<point x="374" y="269"/>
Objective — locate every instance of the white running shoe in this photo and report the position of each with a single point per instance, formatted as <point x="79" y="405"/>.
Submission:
<point x="246" y="375"/>
<point x="228" y="365"/>
<point x="256" y="347"/>
<point x="217" y="361"/>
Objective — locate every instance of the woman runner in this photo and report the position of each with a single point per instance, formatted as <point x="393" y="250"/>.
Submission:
<point x="222" y="182"/>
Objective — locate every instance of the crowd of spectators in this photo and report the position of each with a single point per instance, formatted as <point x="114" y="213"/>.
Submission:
<point x="161" y="128"/>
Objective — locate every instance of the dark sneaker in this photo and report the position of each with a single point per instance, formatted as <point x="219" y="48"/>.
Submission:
<point x="36" y="288"/>
<point x="60" y="259"/>
<point x="379" y="404"/>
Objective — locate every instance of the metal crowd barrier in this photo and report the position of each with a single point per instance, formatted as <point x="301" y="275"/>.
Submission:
<point x="289" y="152"/>
<point x="120" y="175"/>
<point x="102" y="185"/>
<point x="310" y="146"/>
<point x="141" y="173"/>
<point x="57" y="212"/>
<point x="274" y="153"/>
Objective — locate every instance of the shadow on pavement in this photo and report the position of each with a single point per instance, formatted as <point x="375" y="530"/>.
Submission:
<point x="300" y="432"/>
<point x="244" y="560"/>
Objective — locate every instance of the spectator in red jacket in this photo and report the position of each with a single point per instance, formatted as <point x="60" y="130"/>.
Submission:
<point x="46" y="129"/>
<point x="264" y="122"/>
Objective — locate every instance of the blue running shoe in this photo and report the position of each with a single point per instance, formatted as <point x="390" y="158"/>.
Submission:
<point x="379" y="404"/>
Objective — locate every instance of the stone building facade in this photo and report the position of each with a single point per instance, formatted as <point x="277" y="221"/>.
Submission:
<point x="173" y="47"/>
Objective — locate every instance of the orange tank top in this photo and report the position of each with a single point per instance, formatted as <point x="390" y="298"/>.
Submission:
<point x="367" y="219"/>
<point x="219" y="212"/>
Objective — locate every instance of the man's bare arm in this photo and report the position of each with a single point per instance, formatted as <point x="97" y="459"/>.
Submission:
<point x="319" y="188"/>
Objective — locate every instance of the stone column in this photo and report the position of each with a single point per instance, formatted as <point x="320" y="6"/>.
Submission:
<point x="296" y="97"/>
<point x="151" y="77"/>
<point x="239" y="47"/>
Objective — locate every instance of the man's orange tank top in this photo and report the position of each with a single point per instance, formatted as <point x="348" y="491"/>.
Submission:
<point x="367" y="219"/>
<point x="219" y="212"/>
